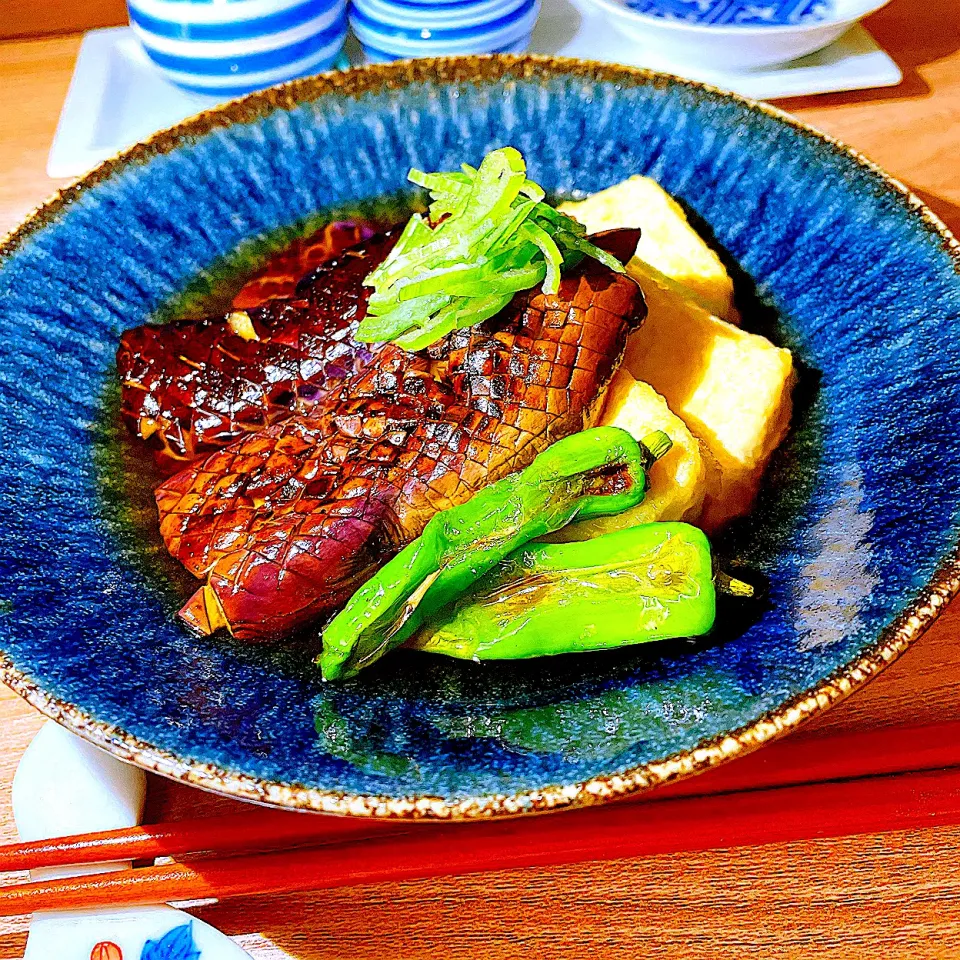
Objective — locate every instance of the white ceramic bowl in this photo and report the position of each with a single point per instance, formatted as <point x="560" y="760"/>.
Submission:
<point x="668" y="44"/>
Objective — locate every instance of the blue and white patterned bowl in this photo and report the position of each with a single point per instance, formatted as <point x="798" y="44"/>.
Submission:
<point x="856" y="529"/>
<point x="730" y="35"/>
<point x="241" y="45"/>
<point x="391" y="29"/>
<point x="771" y="13"/>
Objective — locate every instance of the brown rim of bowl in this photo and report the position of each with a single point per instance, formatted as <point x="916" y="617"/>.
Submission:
<point x="892" y="642"/>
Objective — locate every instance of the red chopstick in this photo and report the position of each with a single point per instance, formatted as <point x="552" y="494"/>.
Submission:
<point x="868" y="805"/>
<point x="245" y="832"/>
<point x="795" y="761"/>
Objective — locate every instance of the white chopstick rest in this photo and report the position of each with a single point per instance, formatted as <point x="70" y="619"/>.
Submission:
<point x="64" y="785"/>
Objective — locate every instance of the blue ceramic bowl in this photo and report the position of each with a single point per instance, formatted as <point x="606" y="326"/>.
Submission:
<point x="856" y="528"/>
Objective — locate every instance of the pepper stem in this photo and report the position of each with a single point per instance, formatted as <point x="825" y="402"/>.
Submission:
<point x="731" y="586"/>
<point x="657" y="443"/>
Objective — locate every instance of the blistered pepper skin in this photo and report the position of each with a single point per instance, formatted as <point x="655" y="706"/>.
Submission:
<point x="650" y="582"/>
<point x="596" y="472"/>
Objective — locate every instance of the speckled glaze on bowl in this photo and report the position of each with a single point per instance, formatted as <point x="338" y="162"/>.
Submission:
<point x="856" y="528"/>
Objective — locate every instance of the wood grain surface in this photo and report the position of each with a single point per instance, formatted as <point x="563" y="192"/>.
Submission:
<point x="33" y="18"/>
<point x="891" y="896"/>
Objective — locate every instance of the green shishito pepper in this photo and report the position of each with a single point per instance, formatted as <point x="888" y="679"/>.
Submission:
<point x="598" y="472"/>
<point x="650" y="582"/>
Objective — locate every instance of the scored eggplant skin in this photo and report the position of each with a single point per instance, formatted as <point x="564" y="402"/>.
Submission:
<point x="193" y="386"/>
<point x="286" y="522"/>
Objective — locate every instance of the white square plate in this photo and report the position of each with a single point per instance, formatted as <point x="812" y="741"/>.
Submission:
<point x="116" y="96"/>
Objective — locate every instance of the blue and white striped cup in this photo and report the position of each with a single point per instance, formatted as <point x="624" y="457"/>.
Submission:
<point x="228" y="48"/>
<point x="389" y="29"/>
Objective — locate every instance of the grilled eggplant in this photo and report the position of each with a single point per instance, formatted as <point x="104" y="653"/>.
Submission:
<point x="286" y="521"/>
<point x="193" y="386"/>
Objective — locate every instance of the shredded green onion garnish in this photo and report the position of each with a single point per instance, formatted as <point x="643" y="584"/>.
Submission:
<point x="494" y="236"/>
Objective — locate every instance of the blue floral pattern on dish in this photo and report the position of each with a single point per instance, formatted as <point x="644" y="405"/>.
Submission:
<point x="772" y="13"/>
<point x="178" y="944"/>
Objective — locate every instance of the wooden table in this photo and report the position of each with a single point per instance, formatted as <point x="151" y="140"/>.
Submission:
<point x="890" y="896"/>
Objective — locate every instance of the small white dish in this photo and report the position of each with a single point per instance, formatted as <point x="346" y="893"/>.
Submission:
<point x="63" y="786"/>
<point x="666" y="43"/>
<point x="575" y="28"/>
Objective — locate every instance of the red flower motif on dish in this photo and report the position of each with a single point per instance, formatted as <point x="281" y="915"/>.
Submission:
<point x="105" y="950"/>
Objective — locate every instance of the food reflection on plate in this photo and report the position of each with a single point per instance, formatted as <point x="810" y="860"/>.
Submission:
<point x="563" y="723"/>
<point x="500" y="432"/>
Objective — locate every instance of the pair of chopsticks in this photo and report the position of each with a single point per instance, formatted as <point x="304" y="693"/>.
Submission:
<point x="270" y="852"/>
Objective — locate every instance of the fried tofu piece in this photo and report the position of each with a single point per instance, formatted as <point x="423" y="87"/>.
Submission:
<point x="668" y="243"/>
<point x="731" y="388"/>
<point x="677" y="480"/>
